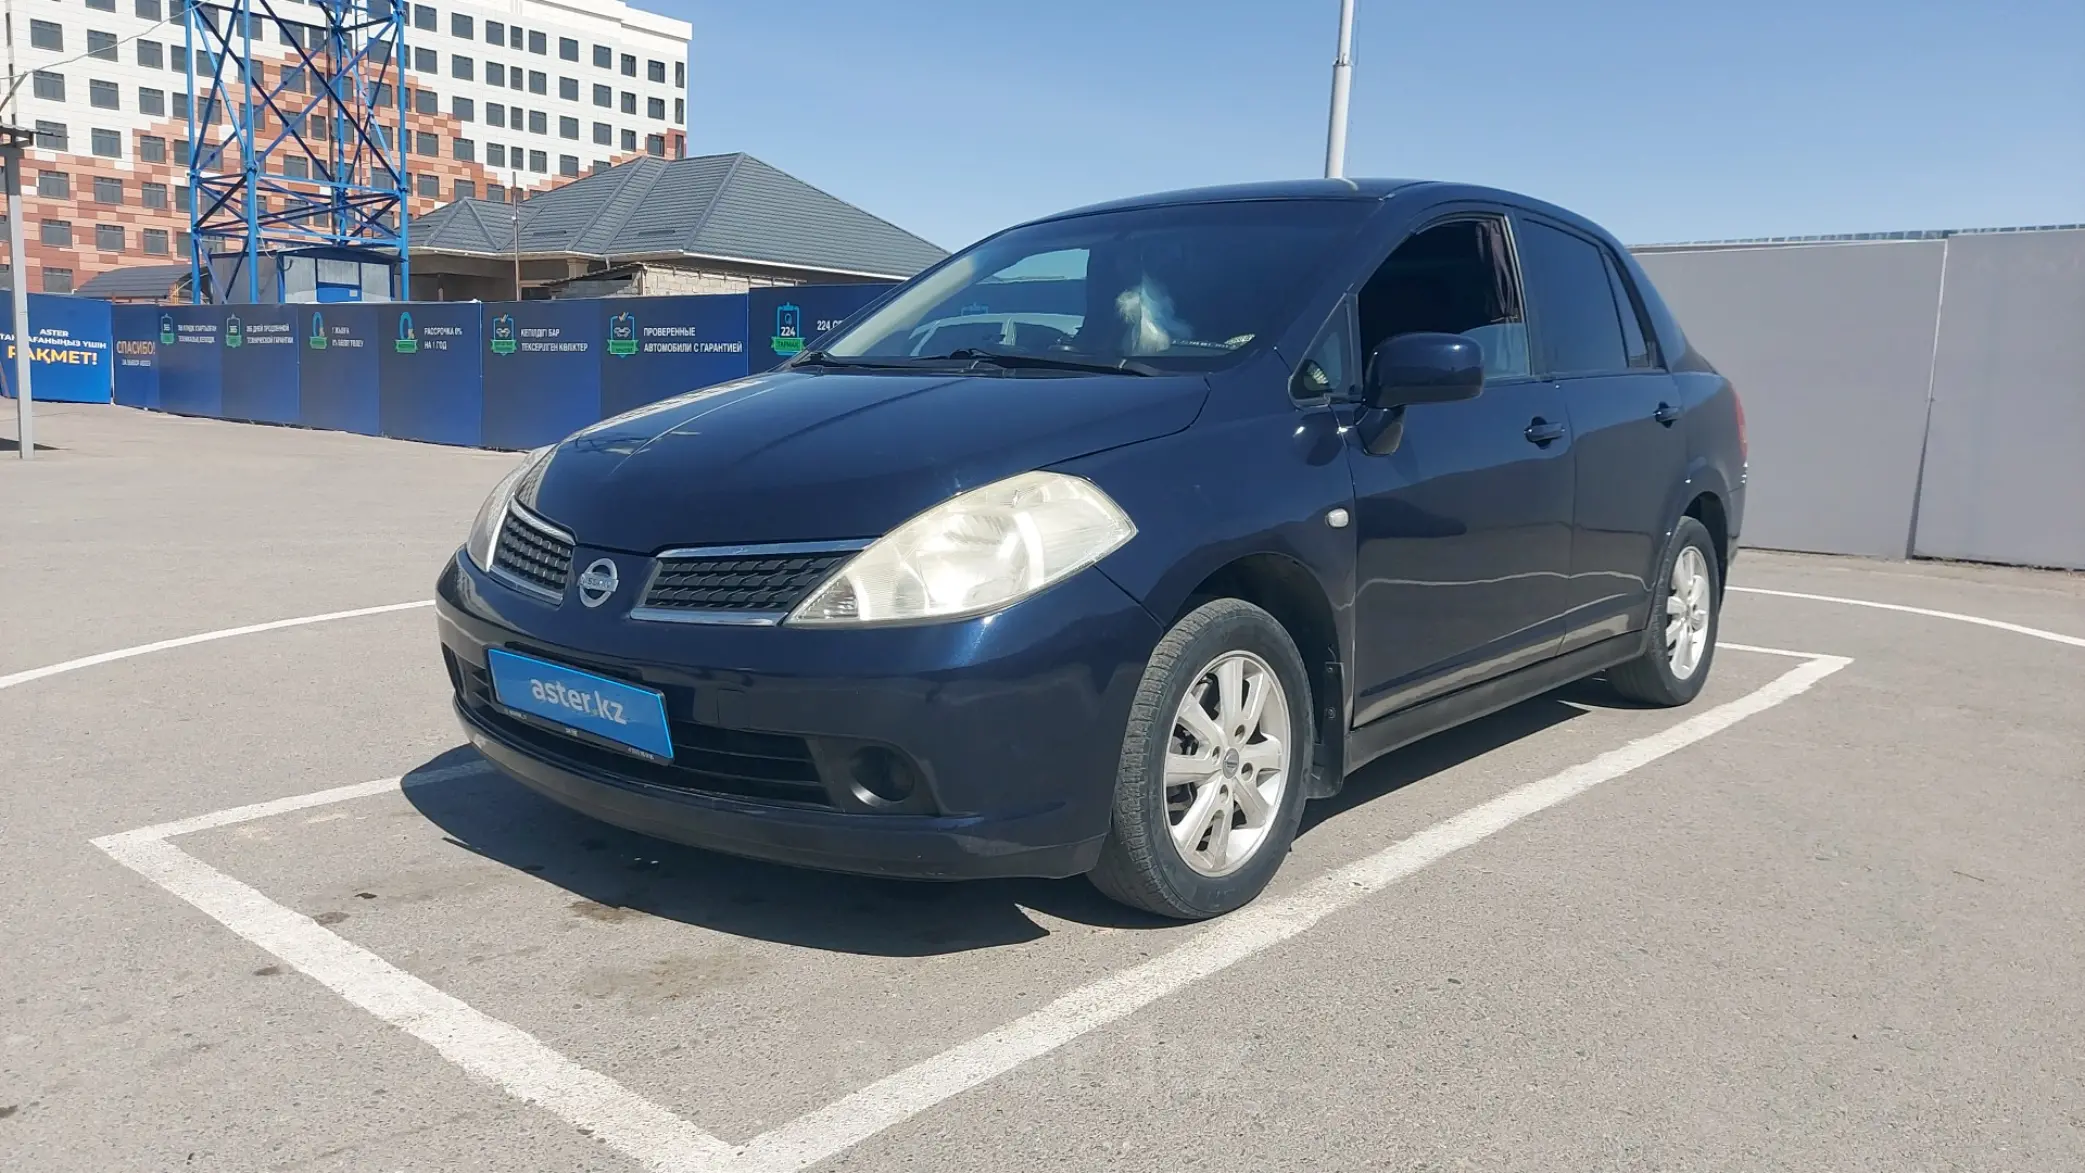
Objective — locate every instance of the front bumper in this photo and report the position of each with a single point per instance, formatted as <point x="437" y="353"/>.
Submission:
<point x="1008" y="727"/>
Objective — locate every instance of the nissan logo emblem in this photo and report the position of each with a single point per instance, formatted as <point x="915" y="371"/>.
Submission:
<point x="597" y="582"/>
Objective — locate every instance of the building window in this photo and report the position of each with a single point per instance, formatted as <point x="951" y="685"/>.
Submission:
<point x="427" y="144"/>
<point x="601" y="165"/>
<point x="154" y="195"/>
<point x="181" y="149"/>
<point x="293" y="79"/>
<point x="496" y="154"/>
<point x="513" y="36"/>
<point x="296" y="167"/>
<point x="108" y="237"/>
<point x="568" y="128"/>
<point x="495" y="114"/>
<point x="108" y="143"/>
<point x="495" y="74"/>
<point x="495" y="193"/>
<point x="465" y="189"/>
<point x="604" y="57"/>
<point x="55" y="184"/>
<point x="102" y="5"/>
<point x="465" y="109"/>
<point x="538" y="162"/>
<point x="680" y="111"/>
<point x="151" y="101"/>
<point x="58" y="232"/>
<point x="49" y="86"/>
<point x="107" y="190"/>
<point x="427" y="61"/>
<point x="629" y="102"/>
<point x="568" y="88"/>
<point x="514" y="80"/>
<point x="423" y="18"/>
<point x="655" y="71"/>
<point x="655" y="109"/>
<point x="179" y="101"/>
<point x="538" y="122"/>
<point x="101" y="46"/>
<point x="462" y="67"/>
<point x="629" y="64"/>
<point x="380" y="94"/>
<point x="46" y="34"/>
<point x="568" y="165"/>
<point x="427" y="102"/>
<point x="655" y="144"/>
<point x="156" y="241"/>
<point x="152" y="148"/>
<point x="604" y="134"/>
<point x="567" y="49"/>
<point x="604" y="97"/>
<point x="428" y="184"/>
<point x="149" y="10"/>
<point x="57" y="280"/>
<point x="495" y="33"/>
<point x="52" y="136"/>
<point x="462" y="26"/>
<point x="104" y="95"/>
<point x="629" y="140"/>
<point x="183" y="241"/>
<point x="151" y="54"/>
<point x="463" y="150"/>
<point x="538" y="82"/>
<point x="680" y="75"/>
<point x="539" y="44"/>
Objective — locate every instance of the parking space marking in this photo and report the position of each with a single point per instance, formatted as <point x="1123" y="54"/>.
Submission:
<point x="27" y="675"/>
<point x="526" y="1069"/>
<point x="1957" y="616"/>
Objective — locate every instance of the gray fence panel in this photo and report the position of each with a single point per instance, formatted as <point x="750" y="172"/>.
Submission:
<point x="2004" y="479"/>
<point x="1831" y="347"/>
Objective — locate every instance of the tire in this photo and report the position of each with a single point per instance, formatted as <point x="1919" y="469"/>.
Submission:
<point x="1661" y="676"/>
<point x="1143" y="862"/>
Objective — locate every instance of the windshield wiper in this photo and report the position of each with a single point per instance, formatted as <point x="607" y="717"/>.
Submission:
<point x="1127" y="366"/>
<point x="819" y="358"/>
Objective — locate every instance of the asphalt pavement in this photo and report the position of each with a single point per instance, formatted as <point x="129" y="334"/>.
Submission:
<point x="1830" y="917"/>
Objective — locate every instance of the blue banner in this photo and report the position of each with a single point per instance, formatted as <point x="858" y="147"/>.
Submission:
<point x="338" y="351"/>
<point x="71" y="348"/>
<point x="661" y="346"/>
<point x="191" y="359"/>
<point x="259" y="367"/>
<point x="782" y="319"/>
<point x="431" y="372"/>
<point x="542" y="371"/>
<point x="137" y="355"/>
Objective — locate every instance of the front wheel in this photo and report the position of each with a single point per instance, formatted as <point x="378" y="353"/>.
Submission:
<point x="1684" y="618"/>
<point x="1211" y="782"/>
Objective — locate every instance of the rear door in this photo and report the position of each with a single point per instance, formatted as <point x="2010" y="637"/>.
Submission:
<point x="1593" y="345"/>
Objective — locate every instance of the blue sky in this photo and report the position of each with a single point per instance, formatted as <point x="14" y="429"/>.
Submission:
<point x="1664" y="121"/>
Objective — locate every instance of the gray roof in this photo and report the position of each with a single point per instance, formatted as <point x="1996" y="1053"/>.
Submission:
<point x="725" y="207"/>
<point x="134" y="281"/>
<point x="1858" y="237"/>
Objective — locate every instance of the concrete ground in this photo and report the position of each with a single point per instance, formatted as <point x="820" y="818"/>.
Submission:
<point x="1839" y="927"/>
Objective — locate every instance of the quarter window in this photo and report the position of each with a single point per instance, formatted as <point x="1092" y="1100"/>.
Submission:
<point x="1575" y="315"/>
<point x="1641" y="355"/>
<point x="1329" y="371"/>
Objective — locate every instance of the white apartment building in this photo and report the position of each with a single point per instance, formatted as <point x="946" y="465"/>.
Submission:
<point x="500" y="94"/>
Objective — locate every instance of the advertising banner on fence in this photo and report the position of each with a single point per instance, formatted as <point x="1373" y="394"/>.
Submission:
<point x="71" y="348"/>
<point x="338" y="353"/>
<point x="781" y="320"/>
<point x="191" y="359"/>
<point x="542" y="371"/>
<point x="259" y="367"/>
<point x="661" y="346"/>
<point x="431" y="372"/>
<point x="136" y="328"/>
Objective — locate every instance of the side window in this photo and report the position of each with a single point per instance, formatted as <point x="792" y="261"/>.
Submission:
<point x="1641" y="355"/>
<point x="1454" y="278"/>
<point x="1579" y="328"/>
<point x="1328" y="371"/>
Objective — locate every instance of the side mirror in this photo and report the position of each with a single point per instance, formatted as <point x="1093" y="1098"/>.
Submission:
<point x="1423" y="368"/>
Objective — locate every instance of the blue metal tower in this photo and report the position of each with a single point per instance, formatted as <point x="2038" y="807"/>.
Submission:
<point x="288" y="162"/>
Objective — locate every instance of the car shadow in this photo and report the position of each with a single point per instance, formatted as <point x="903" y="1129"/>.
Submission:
<point x="615" y="874"/>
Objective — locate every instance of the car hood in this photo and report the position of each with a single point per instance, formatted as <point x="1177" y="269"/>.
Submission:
<point x="795" y="456"/>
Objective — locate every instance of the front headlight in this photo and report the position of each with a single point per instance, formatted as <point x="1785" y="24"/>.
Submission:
<point x="485" y="531"/>
<point x="975" y="552"/>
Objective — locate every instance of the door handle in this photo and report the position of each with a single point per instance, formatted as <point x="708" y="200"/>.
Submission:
<point x="1542" y="432"/>
<point x="1666" y="414"/>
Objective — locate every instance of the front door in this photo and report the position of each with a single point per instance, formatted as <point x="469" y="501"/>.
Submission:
<point x="1463" y="531"/>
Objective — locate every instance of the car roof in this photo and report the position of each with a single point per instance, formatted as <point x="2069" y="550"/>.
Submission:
<point x="1284" y="189"/>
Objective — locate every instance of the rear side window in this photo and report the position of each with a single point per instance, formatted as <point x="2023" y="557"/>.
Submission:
<point x="1577" y="325"/>
<point x="1641" y="354"/>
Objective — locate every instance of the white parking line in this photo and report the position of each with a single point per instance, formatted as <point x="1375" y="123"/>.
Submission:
<point x="1957" y="616"/>
<point x="526" y="1069"/>
<point x="24" y="677"/>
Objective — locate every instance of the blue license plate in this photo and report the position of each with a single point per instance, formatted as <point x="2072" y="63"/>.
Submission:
<point x="624" y="715"/>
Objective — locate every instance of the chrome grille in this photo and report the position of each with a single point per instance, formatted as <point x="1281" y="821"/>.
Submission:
<point x="531" y="554"/>
<point x="739" y="583"/>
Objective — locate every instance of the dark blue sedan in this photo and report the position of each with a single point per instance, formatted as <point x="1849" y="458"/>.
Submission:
<point x="1105" y="544"/>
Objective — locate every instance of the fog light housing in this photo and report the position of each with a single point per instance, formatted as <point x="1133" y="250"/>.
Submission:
<point x="881" y="778"/>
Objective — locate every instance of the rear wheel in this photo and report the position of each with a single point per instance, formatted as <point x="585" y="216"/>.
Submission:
<point x="1682" y="641"/>
<point x="1210" y="787"/>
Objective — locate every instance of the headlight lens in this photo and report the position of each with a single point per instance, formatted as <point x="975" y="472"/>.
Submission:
<point x="492" y="515"/>
<point x="975" y="552"/>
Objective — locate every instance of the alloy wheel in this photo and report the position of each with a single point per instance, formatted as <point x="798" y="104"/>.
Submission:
<point x="1227" y="763"/>
<point x="1687" y="613"/>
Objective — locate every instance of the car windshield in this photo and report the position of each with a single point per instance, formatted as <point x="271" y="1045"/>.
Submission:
<point x="1182" y="287"/>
